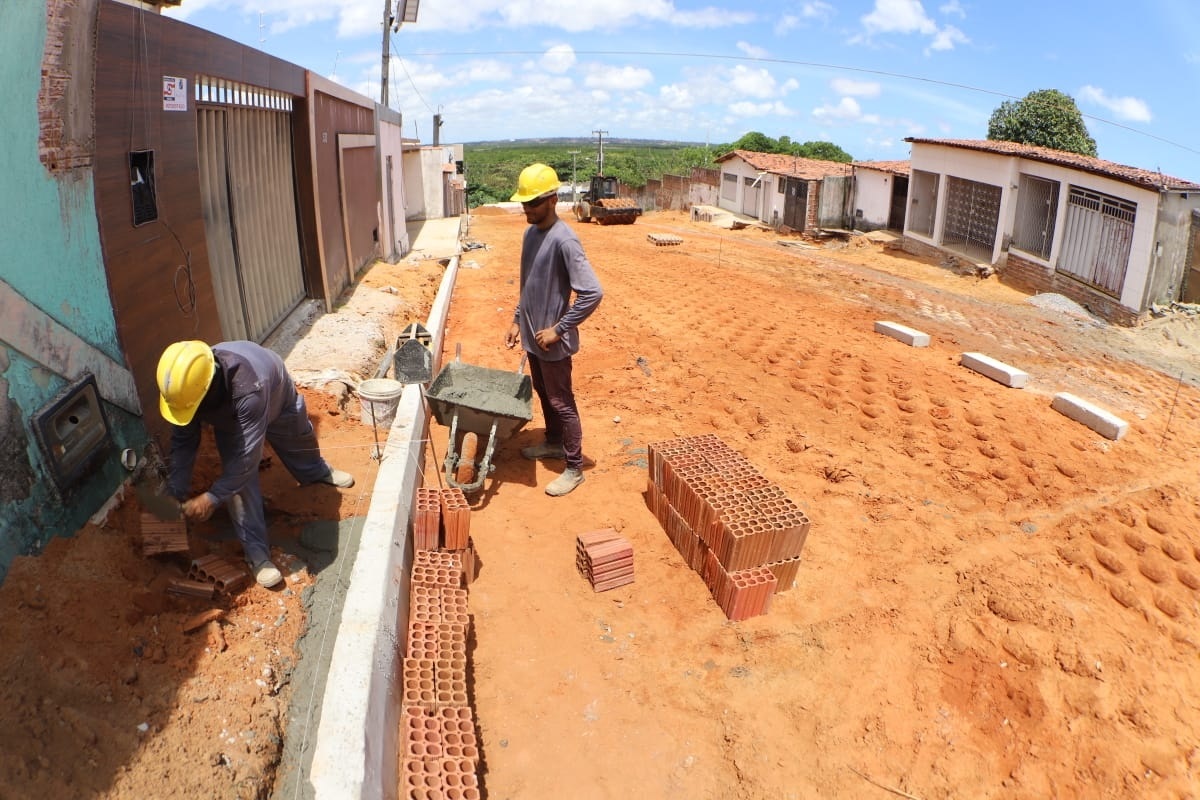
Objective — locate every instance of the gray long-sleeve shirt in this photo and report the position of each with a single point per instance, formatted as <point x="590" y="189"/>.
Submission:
<point x="553" y="265"/>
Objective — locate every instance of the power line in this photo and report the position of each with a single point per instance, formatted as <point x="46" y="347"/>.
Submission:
<point x="413" y="84"/>
<point x="797" y="63"/>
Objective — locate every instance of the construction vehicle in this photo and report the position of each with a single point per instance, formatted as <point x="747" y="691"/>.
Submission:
<point x="602" y="204"/>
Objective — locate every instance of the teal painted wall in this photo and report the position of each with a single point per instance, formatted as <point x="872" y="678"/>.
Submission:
<point x="50" y="254"/>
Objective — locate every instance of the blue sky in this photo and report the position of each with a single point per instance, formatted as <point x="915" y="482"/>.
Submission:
<point x="863" y="74"/>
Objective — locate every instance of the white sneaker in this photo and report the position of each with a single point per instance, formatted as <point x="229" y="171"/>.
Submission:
<point x="267" y="574"/>
<point x="565" y="483"/>
<point x="338" y="478"/>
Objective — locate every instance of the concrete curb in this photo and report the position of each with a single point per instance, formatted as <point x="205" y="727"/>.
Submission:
<point x="355" y="755"/>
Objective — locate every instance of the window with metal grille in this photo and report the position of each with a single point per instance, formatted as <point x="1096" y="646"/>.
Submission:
<point x="1037" y="210"/>
<point x="972" y="217"/>
<point x="1097" y="237"/>
<point x="232" y="93"/>
<point x="922" y="202"/>
<point x="728" y="186"/>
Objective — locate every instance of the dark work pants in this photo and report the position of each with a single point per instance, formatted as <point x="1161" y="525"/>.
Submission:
<point x="552" y="382"/>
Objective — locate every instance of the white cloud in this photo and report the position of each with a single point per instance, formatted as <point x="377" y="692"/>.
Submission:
<point x="747" y="109"/>
<point x="909" y="17"/>
<point x="953" y="8"/>
<point x="845" y="86"/>
<point x="1132" y="109"/>
<point x="602" y="76"/>
<point x="558" y="59"/>
<point x="676" y="96"/>
<point x="756" y="83"/>
<point x="946" y="38"/>
<point x="899" y="16"/>
<point x="752" y="50"/>
<point x="816" y="10"/>
<point x="845" y="112"/>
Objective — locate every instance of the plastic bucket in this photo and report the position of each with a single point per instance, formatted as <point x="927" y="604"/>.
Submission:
<point x="379" y="397"/>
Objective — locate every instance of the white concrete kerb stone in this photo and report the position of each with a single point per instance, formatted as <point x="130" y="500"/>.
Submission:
<point x="903" y="333"/>
<point x="358" y="739"/>
<point x="996" y="370"/>
<point x="1102" y="422"/>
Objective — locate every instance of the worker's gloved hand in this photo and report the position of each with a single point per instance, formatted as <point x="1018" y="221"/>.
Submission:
<point x="200" y="507"/>
<point x="546" y="337"/>
<point x="513" y="336"/>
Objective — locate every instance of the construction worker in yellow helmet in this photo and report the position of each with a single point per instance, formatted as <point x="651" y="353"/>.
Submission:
<point x="546" y="320"/>
<point x="244" y="393"/>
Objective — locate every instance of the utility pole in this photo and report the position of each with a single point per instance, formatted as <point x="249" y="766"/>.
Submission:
<point x="406" y="11"/>
<point x="387" y="47"/>
<point x="574" y="185"/>
<point x="600" y="164"/>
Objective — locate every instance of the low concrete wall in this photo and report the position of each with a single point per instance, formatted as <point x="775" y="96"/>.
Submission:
<point x="356" y="751"/>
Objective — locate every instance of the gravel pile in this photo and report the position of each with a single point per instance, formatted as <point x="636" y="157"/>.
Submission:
<point x="1063" y="305"/>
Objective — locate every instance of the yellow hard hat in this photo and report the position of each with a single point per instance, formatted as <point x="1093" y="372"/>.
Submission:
<point x="184" y="373"/>
<point x="535" y="181"/>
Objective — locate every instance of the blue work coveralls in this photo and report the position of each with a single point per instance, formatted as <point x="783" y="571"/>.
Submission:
<point x="260" y="404"/>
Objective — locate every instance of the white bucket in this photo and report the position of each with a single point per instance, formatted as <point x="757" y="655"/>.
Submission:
<point x="379" y="397"/>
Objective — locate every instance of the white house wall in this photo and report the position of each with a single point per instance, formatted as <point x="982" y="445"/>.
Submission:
<point x="1141" y="249"/>
<point x="394" y="239"/>
<point x="872" y="197"/>
<point x="738" y="167"/>
<point x="1005" y="171"/>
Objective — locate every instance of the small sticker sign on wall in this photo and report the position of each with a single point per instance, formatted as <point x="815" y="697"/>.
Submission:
<point x="174" y="93"/>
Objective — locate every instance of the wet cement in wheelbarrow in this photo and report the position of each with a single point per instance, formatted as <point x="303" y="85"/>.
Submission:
<point x="503" y="394"/>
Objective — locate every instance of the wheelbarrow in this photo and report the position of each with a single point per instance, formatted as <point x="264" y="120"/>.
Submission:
<point x="475" y="402"/>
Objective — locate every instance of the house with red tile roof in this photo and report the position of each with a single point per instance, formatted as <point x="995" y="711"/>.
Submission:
<point x="880" y="194"/>
<point x="1114" y="238"/>
<point x="800" y="194"/>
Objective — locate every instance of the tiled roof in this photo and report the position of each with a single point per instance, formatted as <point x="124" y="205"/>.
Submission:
<point x="891" y="167"/>
<point x="1096" y="166"/>
<point x="789" y="166"/>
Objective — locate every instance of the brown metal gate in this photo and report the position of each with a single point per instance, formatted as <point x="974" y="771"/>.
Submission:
<point x="248" y="196"/>
<point x="795" y="203"/>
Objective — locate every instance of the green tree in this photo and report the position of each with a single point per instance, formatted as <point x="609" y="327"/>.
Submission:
<point x="1046" y="117"/>
<point x="825" y="151"/>
<point x="755" y="142"/>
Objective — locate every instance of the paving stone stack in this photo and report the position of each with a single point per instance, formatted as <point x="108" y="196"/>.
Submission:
<point x="732" y="525"/>
<point x="439" y="747"/>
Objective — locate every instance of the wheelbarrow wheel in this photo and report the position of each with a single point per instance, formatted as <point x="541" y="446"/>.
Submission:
<point x="465" y="472"/>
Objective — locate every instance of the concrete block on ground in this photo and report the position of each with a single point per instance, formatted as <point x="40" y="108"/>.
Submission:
<point x="1102" y="422"/>
<point x="910" y="336"/>
<point x="996" y="370"/>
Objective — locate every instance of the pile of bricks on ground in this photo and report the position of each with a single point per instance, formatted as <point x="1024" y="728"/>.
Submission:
<point x="605" y="558"/>
<point x="439" y="750"/>
<point x="731" y="524"/>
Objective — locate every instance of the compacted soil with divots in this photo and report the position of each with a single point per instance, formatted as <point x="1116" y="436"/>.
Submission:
<point x="993" y="600"/>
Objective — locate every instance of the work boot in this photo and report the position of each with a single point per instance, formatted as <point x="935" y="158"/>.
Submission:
<point x="544" y="450"/>
<point x="342" y="480"/>
<point x="267" y="574"/>
<point x="565" y="483"/>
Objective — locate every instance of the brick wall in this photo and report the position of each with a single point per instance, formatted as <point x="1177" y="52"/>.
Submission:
<point x="66" y="138"/>
<point x="1030" y="276"/>
<point x="1025" y="274"/>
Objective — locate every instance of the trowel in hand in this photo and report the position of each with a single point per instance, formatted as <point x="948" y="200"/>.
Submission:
<point x="163" y="506"/>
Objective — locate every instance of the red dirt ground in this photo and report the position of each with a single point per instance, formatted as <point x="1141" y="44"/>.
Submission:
<point x="994" y="600"/>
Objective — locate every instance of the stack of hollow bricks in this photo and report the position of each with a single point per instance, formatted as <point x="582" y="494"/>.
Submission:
<point x="732" y="525"/>
<point x="439" y="750"/>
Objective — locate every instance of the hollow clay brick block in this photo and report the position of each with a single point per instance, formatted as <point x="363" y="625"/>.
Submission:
<point x="910" y="336"/>
<point x="1102" y="422"/>
<point x="785" y="573"/>
<point x="996" y="370"/>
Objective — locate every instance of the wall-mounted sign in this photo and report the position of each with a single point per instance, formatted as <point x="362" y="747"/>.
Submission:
<point x="174" y="93"/>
